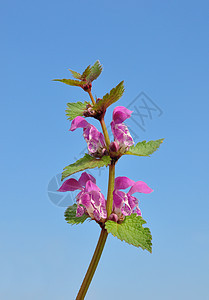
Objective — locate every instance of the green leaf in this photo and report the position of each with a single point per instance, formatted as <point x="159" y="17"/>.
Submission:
<point x="95" y="71"/>
<point x="76" y="74"/>
<point x="86" y="162"/>
<point x="70" y="216"/>
<point x="89" y="74"/>
<point x="71" y="82"/>
<point x="144" y="148"/>
<point x="75" y="109"/>
<point x="132" y="232"/>
<point x="114" y="95"/>
<point x="86" y="72"/>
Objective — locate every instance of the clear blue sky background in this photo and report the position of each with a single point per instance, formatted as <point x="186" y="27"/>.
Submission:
<point x="159" y="47"/>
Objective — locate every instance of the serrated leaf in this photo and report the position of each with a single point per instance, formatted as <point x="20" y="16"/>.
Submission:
<point x="86" y="72"/>
<point x="76" y="74"/>
<point x="89" y="74"/>
<point x="144" y="148"/>
<point x="86" y="162"/>
<point x="114" y="95"/>
<point x="71" y="82"/>
<point x="75" y="109"/>
<point x="131" y="231"/>
<point x="96" y="70"/>
<point x="70" y="216"/>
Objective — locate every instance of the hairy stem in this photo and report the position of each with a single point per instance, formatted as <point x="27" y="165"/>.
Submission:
<point x="111" y="185"/>
<point x="93" y="265"/>
<point x="91" y="96"/>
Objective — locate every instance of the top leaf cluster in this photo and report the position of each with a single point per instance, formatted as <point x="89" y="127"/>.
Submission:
<point x="85" y="79"/>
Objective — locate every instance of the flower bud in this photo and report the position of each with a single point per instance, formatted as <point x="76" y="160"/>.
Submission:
<point x="114" y="147"/>
<point x="113" y="217"/>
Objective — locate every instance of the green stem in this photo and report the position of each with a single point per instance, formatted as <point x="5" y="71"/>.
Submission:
<point x="91" y="96"/>
<point x="104" y="129"/>
<point x="102" y="239"/>
<point x="103" y="235"/>
<point x="111" y="185"/>
<point x="93" y="265"/>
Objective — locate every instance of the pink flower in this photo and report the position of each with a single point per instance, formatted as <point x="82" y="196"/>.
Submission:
<point x="89" y="200"/>
<point x="124" y="204"/>
<point x="95" y="139"/>
<point x="122" y="136"/>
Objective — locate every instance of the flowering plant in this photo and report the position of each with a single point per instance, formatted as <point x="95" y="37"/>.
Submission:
<point x="118" y="213"/>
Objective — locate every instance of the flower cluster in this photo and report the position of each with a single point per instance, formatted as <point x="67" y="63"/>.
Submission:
<point x="92" y="202"/>
<point x="95" y="139"/>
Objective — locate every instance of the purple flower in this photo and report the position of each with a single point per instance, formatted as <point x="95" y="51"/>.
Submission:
<point x="95" y="139"/>
<point x="124" y="204"/>
<point x="89" y="200"/>
<point x="120" y="131"/>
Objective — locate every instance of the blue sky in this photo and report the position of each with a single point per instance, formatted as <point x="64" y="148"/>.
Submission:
<point x="159" y="48"/>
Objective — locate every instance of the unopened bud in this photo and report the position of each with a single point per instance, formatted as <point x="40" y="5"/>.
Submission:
<point x="87" y="87"/>
<point x="113" y="217"/>
<point x="114" y="147"/>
